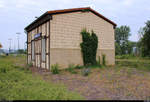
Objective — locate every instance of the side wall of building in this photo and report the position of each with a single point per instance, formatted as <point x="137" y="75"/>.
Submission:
<point x="37" y="62"/>
<point x="65" y="37"/>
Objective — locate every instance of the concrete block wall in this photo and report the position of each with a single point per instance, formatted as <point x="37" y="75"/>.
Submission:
<point x="66" y="28"/>
<point x="65" y="37"/>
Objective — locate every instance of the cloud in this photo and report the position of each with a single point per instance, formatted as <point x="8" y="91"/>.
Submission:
<point x="2" y="5"/>
<point x="22" y="12"/>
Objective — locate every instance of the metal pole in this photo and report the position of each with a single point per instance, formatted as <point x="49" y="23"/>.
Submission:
<point x="14" y="47"/>
<point x="24" y="46"/>
<point x="9" y="45"/>
<point x="18" y="40"/>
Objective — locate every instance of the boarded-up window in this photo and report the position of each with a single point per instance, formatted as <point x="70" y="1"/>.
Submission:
<point x="33" y="54"/>
<point x="43" y="50"/>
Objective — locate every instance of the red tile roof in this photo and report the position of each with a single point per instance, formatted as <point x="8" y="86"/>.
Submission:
<point x="72" y="10"/>
<point x="79" y="9"/>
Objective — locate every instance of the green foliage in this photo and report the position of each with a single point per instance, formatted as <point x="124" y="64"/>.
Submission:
<point x="17" y="84"/>
<point x="104" y="59"/>
<point x="99" y="61"/>
<point x="55" y="69"/>
<point x="1" y="45"/>
<point x="117" y="49"/>
<point x="138" y="63"/>
<point x="3" y="70"/>
<point x="79" y="67"/>
<point x="127" y="56"/>
<point x="123" y="45"/>
<point x="89" y="47"/>
<point x="144" y="43"/>
<point x="71" y="69"/>
<point x="21" y="51"/>
<point x="30" y="64"/>
<point x="122" y="34"/>
<point x="130" y="46"/>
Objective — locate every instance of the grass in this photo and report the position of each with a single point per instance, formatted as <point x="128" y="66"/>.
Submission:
<point x="17" y="83"/>
<point x="71" y="68"/>
<point x="125" y="79"/>
<point x="138" y="63"/>
<point x="55" y="69"/>
<point x="77" y="69"/>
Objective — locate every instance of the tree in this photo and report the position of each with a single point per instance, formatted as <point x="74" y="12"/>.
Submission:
<point x="121" y="38"/>
<point x="144" y="42"/>
<point x="1" y="45"/>
<point x="21" y="51"/>
<point x="117" y="49"/>
<point x="130" y="46"/>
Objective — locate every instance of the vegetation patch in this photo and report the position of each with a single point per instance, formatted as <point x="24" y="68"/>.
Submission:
<point x="89" y="47"/>
<point x="138" y="63"/>
<point x="19" y="84"/>
<point x="55" y="69"/>
<point x="104" y="59"/>
<point x="79" y="67"/>
<point x="71" y="68"/>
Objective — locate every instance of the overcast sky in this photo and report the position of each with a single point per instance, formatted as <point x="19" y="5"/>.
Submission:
<point x="15" y="15"/>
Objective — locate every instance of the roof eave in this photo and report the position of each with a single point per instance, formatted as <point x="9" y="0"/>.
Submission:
<point x="36" y="20"/>
<point x="72" y="10"/>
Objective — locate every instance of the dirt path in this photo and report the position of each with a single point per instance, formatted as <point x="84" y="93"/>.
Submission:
<point x="104" y="84"/>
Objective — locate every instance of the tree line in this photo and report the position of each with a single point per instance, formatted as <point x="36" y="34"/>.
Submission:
<point x="124" y="46"/>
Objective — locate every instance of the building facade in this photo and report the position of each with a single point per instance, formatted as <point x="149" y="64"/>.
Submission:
<point x="55" y="37"/>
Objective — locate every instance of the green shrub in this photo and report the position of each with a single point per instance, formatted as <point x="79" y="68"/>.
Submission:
<point x="71" y="69"/>
<point x="104" y="60"/>
<point x="89" y="47"/>
<point x="98" y="63"/>
<point x="3" y="70"/>
<point x="79" y="67"/>
<point x="30" y="64"/>
<point x="55" y="69"/>
<point x="125" y="56"/>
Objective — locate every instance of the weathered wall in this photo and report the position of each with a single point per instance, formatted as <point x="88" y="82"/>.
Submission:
<point x="64" y="57"/>
<point x="44" y="29"/>
<point x="65" y="34"/>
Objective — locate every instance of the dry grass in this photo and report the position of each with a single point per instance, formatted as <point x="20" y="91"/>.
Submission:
<point x="128" y="80"/>
<point x="109" y="83"/>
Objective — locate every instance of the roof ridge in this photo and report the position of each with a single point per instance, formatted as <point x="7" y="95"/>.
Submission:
<point x="79" y="9"/>
<point x="73" y="10"/>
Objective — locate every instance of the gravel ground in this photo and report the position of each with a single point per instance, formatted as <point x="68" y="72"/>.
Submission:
<point x="104" y="84"/>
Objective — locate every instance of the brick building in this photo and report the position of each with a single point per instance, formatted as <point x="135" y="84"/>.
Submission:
<point x="55" y="37"/>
